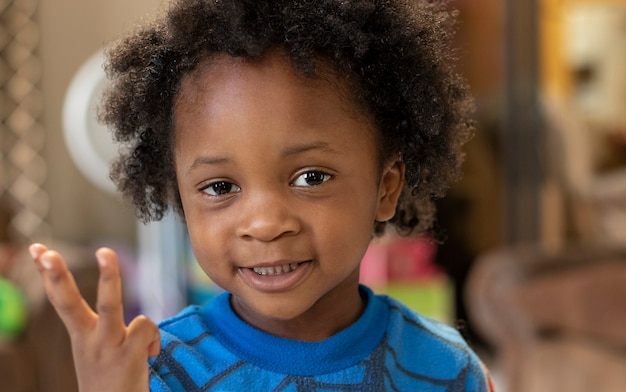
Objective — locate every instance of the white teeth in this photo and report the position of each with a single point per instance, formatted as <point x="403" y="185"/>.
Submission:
<point x="273" y="271"/>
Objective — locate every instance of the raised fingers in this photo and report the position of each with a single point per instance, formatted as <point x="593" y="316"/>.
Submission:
<point x="62" y="290"/>
<point x="109" y="304"/>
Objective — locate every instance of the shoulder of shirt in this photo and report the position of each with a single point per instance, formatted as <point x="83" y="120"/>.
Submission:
<point x="401" y="313"/>
<point x="415" y="332"/>
<point x="184" y="316"/>
<point x="412" y="328"/>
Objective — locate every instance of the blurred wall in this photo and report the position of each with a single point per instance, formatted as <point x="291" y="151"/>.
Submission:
<point x="556" y="80"/>
<point x="71" y="31"/>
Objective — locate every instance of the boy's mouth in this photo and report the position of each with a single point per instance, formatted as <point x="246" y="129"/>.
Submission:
<point x="276" y="270"/>
<point x="278" y="277"/>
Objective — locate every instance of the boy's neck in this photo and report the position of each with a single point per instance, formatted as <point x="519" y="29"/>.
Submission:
<point x="323" y="320"/>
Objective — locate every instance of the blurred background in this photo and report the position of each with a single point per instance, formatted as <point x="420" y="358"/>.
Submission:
<point x="533" y="266"/>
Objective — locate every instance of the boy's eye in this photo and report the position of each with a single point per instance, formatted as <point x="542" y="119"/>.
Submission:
<point x="312" y="178"/>
<point x="219" y="188"/>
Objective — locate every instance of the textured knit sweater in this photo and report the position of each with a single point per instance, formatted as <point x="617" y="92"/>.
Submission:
<point x="389" y="348"/>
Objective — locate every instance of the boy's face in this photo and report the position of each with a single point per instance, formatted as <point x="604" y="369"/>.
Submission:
<point x="281" y="185"/>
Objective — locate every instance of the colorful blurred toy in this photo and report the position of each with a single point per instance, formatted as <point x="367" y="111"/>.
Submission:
<point x="12" y="310"/>
<point x="405" y="269"/>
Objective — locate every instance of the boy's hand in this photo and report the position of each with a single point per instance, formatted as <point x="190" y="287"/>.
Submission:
<point x="108" y="355"/>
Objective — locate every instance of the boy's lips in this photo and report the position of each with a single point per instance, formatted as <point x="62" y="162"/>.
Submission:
<point x="274" y="277"/>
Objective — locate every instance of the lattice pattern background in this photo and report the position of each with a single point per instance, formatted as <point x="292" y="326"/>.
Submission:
<point x="22" y="136"/>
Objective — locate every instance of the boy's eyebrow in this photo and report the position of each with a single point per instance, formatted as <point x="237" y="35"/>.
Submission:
<point x="297" y="149"/>
<point x="293" y="150"/>
<point x="206" y="160"/>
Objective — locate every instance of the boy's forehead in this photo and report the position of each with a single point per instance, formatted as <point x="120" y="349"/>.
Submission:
<point x="226" y="92"/>
<point x="225" y="73"/>
<point x="223" y="67"/>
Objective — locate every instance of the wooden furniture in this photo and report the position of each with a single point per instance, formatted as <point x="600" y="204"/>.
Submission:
<point x="556" y="320"/>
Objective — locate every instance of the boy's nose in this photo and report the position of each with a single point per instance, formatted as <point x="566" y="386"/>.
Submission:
<point x="266" y="218"/>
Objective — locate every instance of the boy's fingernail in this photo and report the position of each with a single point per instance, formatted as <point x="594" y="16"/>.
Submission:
<point x="33" y="251"/>
<point x="102" y="261"/>
<point x="45" y="262"/>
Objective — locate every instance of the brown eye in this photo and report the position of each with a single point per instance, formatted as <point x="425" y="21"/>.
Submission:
<point x="219" y="188"/>
<point x="312" y="178"/>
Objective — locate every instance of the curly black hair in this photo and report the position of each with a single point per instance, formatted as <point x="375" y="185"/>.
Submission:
<point x="397" y="53"/>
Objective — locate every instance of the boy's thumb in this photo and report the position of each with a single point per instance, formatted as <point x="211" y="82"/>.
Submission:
<point x="148" y="333"/>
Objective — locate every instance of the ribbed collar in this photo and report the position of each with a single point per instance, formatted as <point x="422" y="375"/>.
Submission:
<point x="340" y="351"/>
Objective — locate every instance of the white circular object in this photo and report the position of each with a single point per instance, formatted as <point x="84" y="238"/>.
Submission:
<point x="90" y="143"/>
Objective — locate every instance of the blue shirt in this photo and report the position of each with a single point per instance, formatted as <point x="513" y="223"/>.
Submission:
<point x="389" y="348"/>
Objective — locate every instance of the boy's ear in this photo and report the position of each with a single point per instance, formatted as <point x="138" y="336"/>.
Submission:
<point x="391" y="184"/>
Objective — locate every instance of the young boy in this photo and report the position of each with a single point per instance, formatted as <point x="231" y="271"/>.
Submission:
<point x="286" y="134"/>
